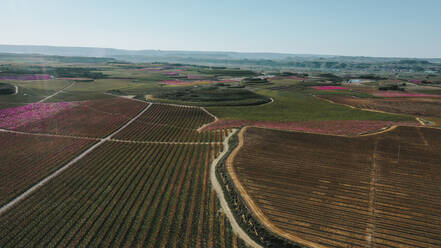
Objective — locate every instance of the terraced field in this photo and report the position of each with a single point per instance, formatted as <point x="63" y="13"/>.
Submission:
<point x="25" y="159"/>
<point x="373" y="191"/>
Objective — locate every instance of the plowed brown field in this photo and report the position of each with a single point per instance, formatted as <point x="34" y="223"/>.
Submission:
<point x="375" y="191"/>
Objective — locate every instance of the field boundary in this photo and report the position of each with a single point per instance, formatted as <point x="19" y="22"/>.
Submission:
<point x="133" y="99"/>
<point x="56" y="93"/>
<point x="176" y="105"/>
<point x="167" y="142"/>
<point x="209" y="123"/>
<point x="385" y="129"/>
<point x="113" y="140"/>
<point x="25" y="194"/>
<point x="49" y="135"/>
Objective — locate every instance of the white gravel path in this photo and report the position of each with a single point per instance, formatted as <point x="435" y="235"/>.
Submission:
<point x="220" y="194"/>
<point x="56" y="93"/>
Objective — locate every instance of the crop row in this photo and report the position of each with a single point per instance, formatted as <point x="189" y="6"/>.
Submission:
<point x="26" y="159"/>
<point x="171" y="123"/>
<point x="347" y="192"/>
<point x="125" y="195"/>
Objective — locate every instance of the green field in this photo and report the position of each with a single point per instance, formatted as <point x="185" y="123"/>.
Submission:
<point x="210" y="95"/>
<point x="295" y="106"/>
<point x="48" y="85"/>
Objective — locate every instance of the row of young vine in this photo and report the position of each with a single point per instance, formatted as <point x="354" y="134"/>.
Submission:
<point x="167" y="123"/>
<point x="125" y="195"/>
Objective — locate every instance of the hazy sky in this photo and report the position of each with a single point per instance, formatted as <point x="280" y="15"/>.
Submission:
<point x="400" y="28"/>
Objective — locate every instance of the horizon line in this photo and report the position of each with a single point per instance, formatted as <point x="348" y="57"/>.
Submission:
<point x="218" y="51"/>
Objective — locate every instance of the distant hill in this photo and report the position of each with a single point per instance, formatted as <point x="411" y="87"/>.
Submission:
<point x="111" y="52"/>
<point x="258" y="61"/>
<point x="43" y="58"/>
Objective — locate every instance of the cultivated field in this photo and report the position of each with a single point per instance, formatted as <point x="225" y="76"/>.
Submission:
<point x="413" y="106"/>
<point x="26" y="159"/>
<point x="149" y="184"/>
<point x="292" y="105"/>
<point x="334" y="127"/>
<point x="94" y="118"/>
<point x="124" y="195"/>
<point x="166" y="123"/>
<point x="374" y="191"/>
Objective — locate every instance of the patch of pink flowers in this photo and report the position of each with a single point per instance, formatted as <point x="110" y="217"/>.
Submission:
<point x="333" y="127"/>
<point x="13" y="118"/>
<point x="403" y="94"/>
<point x="415" y="81"/>
<point x="28" y="77"/>
<point x="170" y="73"/>
<point x="328" y="87"/>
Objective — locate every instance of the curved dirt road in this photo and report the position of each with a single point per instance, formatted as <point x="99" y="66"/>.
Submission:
<point x="220" y="194"/>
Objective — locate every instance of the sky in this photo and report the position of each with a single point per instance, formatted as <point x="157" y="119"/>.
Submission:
<point x="381" y="28"/>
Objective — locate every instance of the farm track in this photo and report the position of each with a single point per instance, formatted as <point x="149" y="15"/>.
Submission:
<point x="220" y="194"/>
<point x="207" y="124"/>
<point x="56" y="93"/>
<point x="381" y="131"/>
<point x="421" y="121"/>
<point x="113" y="140"/>
<point x="49" y="135"/>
